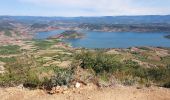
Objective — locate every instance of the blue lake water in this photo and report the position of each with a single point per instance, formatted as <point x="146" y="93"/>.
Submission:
<point x="45" y="35"/>
<point x="113" y="39"/>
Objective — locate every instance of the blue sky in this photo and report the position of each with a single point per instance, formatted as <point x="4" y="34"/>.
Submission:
<point x="84" y="7"/>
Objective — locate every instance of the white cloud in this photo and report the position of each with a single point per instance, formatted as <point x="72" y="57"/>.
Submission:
<point x="103" y="7"/>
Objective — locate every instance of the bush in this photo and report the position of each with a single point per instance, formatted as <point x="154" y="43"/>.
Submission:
<point x="61" y="77"/>
<point x="98" y="62"/>
<point x="156" y="74"/>
<point x="128" y="81"/>
<point x="101" y="63"/>
<point x="10" y="79"/>
<point x="10" y="49"/>
<point x="8" y="60"/>
<point x="16" y="72"/>
<point x="166" y="85"/>
<point x="26" y="71"/>
<point x="32" y="80"/>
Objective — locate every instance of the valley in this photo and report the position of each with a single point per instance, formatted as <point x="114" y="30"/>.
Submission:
<point x="38" y="60"/>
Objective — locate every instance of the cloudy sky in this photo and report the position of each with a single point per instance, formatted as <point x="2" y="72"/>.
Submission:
<point x="84" y="7"/>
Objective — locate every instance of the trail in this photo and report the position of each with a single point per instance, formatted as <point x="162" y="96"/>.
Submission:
<point x="88" y="93"/>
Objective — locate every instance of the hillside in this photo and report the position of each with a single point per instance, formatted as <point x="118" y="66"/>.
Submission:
<point x="51" y="69"/>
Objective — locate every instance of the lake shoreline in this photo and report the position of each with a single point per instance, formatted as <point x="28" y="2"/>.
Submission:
<point x="95" y="40"/>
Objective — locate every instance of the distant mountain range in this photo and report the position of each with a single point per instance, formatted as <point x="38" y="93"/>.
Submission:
<point x="152" y="23"/>
<point x="94" y="20"/>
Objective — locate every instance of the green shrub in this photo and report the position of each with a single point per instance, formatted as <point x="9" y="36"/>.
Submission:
<point x="7" y="59"/>
<point x="10" y="79"/>
<point x="32" y="80"/>
<point x="10" y="49"/>
<point x="166" y="60"/>
<point x="16" y="72"/>
<point x="166" y="85"/>
<point x="98" y="62"/>
<point x="128" y="81"/>
<point x="101" y="64"/>
<point x="156" y="74"/>
<point x="61" y="77"/>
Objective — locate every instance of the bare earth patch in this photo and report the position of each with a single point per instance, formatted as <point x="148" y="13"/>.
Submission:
<point x="88" y="93"/>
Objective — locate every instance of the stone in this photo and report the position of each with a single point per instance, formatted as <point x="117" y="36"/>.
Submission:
<point x="77" y="85"/>
<point x="65" y="92"/>
<point x="20" y="86"/>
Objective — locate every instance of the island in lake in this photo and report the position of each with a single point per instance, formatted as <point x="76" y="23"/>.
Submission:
<point x="68" y="34"/>
<point x="167" y="36"/>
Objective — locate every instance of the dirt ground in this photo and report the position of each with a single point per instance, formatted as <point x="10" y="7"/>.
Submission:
<point x="88" y="93"/>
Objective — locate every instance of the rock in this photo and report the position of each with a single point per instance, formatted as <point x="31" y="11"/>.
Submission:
<point x="65" y="92"/>
<point x="55" y="90"/>
<point x="52" y="91"/>
<point x="58" y="87"/>
<point x="20" y="86"/>
<point x="77" y="85"/>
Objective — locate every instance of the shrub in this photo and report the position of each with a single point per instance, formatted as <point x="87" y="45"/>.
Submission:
<point x="9" y="79"/>
<point x="128" y="81"/>
<point x="16" y="72"/>
<point x="156" y="74"/>
<point x="8" y="60"/>
<point x="10" y="49"/>
<point x="61" y="77"/>
<point x="32" y="80"/>
<point x="104" y="64"/>
<point x="166" y="85"/>
<point x="98" y="62"/>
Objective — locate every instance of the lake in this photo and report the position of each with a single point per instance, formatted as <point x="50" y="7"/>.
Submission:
<point x="113" y="39"/>
<point x="45" y="35"/>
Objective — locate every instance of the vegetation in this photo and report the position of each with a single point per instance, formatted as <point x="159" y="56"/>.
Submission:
<point x="167" y="36"/>
<point x="104" y="69"/>
<point x="72" y="34"/>
<point x="61" y="77"/>
<point x="16" y="72"/>
<point x="8" y="59"/>
<point x="37" y="25"/>
<point x="98" y="62"/>
<point x="10" y="49"/>
<point x="128" y="71"/>
<point x="125" y="27"/>
<point x="45" y="44"/>
<point x="25" y="70"/>
<point x="42" y="68"/>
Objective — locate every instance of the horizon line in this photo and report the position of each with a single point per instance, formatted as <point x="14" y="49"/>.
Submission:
<point x="83" y="16"/>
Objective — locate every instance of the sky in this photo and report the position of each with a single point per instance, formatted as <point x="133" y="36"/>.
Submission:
<point x="72" y="8"/>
